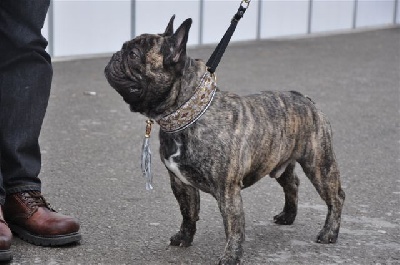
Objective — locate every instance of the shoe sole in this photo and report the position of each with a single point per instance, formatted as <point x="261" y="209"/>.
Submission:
<point x="5" y="255"/>
<point x="45" y="241"/>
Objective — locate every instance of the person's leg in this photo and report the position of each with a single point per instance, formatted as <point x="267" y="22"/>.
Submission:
<point x="24" y="95"/>
<point x="23" y="100"/>
<point x="25" y="74"/>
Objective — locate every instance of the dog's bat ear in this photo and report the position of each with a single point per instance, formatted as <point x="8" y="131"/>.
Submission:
<point x="170" y="28"/>
<point x="180" y="39"/>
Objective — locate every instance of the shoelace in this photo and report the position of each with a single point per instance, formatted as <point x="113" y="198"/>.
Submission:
<point x="35" y="200"/>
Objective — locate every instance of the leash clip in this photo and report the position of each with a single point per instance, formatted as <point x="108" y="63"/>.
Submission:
<point x="242" y="8"/>
<point x="247" y="2"/>
<point x="148" y="128"/>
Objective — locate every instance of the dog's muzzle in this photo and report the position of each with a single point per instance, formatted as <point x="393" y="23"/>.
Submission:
<point x="115" y="73"/>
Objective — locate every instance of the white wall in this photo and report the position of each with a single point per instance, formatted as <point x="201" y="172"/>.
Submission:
<point x="147" y="21"/>
<point x="283" y="18"/>
<point x="375" y="12"/>
<point x="87" y="27"/>
<point x="45" y="30"/>
<point x="398" y="13"/>
<point x="330" y="15"/>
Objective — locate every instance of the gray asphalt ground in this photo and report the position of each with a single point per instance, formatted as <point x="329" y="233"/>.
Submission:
<point x="91" y="160"/>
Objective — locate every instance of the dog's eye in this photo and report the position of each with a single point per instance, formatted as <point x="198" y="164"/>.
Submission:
<point x="134" y="54"/>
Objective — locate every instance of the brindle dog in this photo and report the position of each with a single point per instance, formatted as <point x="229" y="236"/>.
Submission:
<point x="236" y="142"/>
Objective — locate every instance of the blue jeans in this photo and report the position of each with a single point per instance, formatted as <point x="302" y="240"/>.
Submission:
<point x="25" y="81"/>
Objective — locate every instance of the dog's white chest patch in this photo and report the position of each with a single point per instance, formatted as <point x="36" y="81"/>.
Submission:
<point x="173" y="167"/>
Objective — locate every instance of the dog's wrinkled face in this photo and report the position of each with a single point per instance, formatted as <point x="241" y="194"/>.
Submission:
<point x="145" y="69"/>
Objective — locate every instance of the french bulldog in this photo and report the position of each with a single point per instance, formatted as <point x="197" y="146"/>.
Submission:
<point x="220" y="143"/>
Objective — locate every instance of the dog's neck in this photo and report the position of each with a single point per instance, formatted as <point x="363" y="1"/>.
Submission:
<point x="191" y="95"/>
<point x="183" y="88"/>
<point x="186" y="85"/>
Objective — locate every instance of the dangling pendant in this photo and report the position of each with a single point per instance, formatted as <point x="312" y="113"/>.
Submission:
<point x="146" y="156"/>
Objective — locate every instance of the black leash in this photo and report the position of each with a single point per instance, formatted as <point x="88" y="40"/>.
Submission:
<point x="216" y="56"/>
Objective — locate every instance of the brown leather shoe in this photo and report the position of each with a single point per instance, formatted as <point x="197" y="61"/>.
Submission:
<point x="31" y="218"/>
<point x="5" y="240"/>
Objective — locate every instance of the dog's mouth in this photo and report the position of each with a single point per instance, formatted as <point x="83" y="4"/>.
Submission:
<point x="133" y="89"/>
<point x="128" y="91"/>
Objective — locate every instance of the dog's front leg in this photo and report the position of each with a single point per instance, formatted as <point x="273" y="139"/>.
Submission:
<point x="231" y="207"/>
<point x="188" y="198"/>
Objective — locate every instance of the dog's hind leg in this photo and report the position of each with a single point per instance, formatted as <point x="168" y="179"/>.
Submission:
<point x="321" y="168"/>
<point x="290" y="184"/>
<point x="188" y="198"/>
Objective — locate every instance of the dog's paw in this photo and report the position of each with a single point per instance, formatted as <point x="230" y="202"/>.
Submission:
<point x="284" y="218"/>
<point x="327" y="236"/>
<point x="179" y="239"/>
